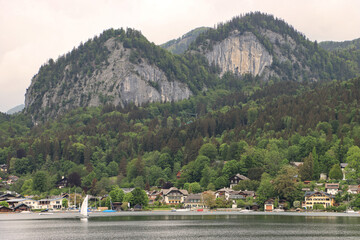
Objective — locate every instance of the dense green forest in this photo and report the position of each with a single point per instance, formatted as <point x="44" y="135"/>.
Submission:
<point x="236" y="124"/>
<point x="345" y="45"/>
<point x="208" y="138"/>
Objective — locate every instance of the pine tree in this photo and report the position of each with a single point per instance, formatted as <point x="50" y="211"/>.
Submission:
<point x="306" y="170"/>
<point x="316" y="167"/>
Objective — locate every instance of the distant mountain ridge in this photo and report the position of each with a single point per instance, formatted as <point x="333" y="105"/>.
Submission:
<point x="16" y="109"/>
<point x="180" y="45"/>
<point x="345" y="45"/>
<point x="121" y="67"/>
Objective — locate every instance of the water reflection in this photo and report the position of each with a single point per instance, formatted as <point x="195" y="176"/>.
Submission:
<point x="191" y="226"/>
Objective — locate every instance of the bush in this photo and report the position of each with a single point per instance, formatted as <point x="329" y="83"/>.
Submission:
<point x="318" y="207"/>
<point x="124" y="206"/>
<point x="296" y="204"/>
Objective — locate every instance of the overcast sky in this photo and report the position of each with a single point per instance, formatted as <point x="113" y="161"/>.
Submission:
<point x="32" y="31"/>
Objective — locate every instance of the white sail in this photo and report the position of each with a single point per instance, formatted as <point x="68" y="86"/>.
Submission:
<point x="84" y="207"/>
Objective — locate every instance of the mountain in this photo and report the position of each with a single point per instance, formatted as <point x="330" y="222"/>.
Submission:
<point x="261" y="96"/>
<point x="263" y="45"/>
<point x="180" y="45"/>
<point x="334" y="46"/>
<point x="16" y="109"/>
<point x="121" y="67"/>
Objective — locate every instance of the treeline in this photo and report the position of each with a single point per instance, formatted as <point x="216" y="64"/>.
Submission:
<point x="206" y="139"/>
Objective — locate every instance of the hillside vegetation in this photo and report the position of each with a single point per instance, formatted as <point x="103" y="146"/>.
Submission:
<point x="231" y="124"/>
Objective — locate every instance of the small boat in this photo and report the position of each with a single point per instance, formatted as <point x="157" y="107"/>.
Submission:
<point x="246" y="211"/>
<point x="278" y="210"/>
<point x="183" y="210"/>
<point x="26" y="212"/>
<point x="46" y="213"/>
<point x="107" y="211"/>
<point x="350" y="211"/>
<point x="84" y="207"/>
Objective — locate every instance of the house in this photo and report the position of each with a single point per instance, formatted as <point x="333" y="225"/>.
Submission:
<point x="174" y="195"/>
<point x="6" y="196"/>
<point x="332" y="188"/>
<point x="5" y="209"/>
<point x="62" y="183"/>
<point x="127" y="190"/>
<point x="224" y="193"/>
<point x="236" y="195"/>
<point x="178" y="175"/>
<point x="15" y="201"/>
<point x="21" y="207"/>
<point x="194" y="201"/>
<point x="55" y="203"/>
<point x="249" y="194"/>
<point x="116" y="206"/>
<point x="343" y="169"/>
<point x="297" y="164"/>
<point x="137" y="207"/>
<point x="236" y="179"/>
<point x="353" y="189"/>
<point x="3" y="168"/>
<point x="33" y="204"/>
<point x="323" y="198"/>
<point x="269" y="205"/>
<point x="323" y="176"/>
<point x="153" y="195"/>
<point x="12" y="179"/>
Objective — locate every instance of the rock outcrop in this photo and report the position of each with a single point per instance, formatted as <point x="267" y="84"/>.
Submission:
<point x="240" y="53"/>
<point x="119" y="83"/>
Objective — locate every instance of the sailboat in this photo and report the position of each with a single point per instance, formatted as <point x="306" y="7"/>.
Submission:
<point x="84" y="207"/>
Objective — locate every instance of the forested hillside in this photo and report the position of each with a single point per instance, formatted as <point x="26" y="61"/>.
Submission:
<point x="207" y="138"/>
<point x="334" y="46"/>
<point x="306" y="109"/>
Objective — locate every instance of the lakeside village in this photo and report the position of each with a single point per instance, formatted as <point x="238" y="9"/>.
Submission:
<point x="317" y="196"/>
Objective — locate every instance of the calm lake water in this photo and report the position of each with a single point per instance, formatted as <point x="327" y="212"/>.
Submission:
<point x="177" y="225"/>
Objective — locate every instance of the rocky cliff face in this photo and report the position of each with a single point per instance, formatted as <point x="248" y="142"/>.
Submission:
<point x="119" y="83"/>
<point x="240" y="53"/>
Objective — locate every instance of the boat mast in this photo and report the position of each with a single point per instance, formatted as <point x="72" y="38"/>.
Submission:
<point x="75" y="199"/>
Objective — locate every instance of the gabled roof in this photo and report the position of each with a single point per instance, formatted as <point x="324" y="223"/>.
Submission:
<point x="309" y="194"/>
<point x="249" y="193"/>
<point x="51" y="199"/>
<point x="332" y="186"/>
<point x="193" y="197"/>
<point x="20" y="205"/>
<point x="127" y="190"/>
<point x="225" y="190"/>
<point x="353" y="187"/>
<point x="5" y="207"/>
<point x="173" y="189"/>
<point x="239" y="176"/>
<point x="15" y="200"/>
<point x="343" y="165"/>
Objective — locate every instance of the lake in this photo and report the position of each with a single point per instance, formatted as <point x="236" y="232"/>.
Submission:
<point x="181" y="225"/>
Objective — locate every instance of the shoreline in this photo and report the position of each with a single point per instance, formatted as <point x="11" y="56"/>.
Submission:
<point x="94" y="215"/>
